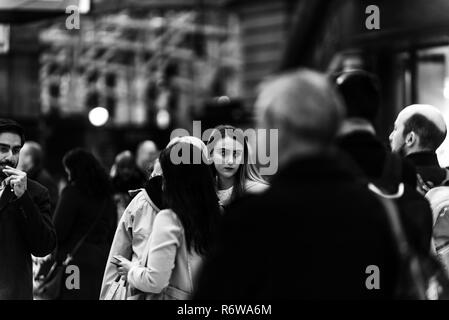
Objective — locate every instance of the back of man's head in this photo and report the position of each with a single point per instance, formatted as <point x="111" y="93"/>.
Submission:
<point x="303" y="105"/>
<point x="427" y="122"/>
<point x="360" y="91"/>
<point x="146" y="153"/>
<point x="31" y="156"/>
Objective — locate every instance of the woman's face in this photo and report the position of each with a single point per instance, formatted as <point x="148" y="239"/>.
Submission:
<point x="227" y="156"/>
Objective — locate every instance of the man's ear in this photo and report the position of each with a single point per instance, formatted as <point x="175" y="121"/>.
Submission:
<point x="411" y="139"/>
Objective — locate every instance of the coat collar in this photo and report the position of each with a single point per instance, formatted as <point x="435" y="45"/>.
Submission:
<point x="330" y="165"/>
<point x="353" y="125"/>
<point x="424" y="158"/>
<point x="6" y="198"/>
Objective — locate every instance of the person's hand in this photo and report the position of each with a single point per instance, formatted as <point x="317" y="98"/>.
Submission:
<point x="124" y="265"/>
<point x="17" y="180"/>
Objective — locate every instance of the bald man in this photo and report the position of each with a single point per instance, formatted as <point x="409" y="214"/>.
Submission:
<point x="418" y="132"/>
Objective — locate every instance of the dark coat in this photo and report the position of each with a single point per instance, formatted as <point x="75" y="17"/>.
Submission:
<point x="44" y="178"/>
<point x="427" y="166"/>
<point x="25" y="229"/>
<point x="312" y="235"/>
<point x="372" y="157"/>
<point x="75" y="214"/>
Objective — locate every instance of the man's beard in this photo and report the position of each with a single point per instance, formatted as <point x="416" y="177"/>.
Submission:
<point x="400" y="151"/>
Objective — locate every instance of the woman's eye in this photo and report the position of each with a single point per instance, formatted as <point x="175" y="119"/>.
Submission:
<point x="223" y="153"/>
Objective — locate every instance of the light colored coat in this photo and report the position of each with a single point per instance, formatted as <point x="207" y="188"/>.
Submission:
<point x="131" y="236"/>
<point x="170" y="271"/>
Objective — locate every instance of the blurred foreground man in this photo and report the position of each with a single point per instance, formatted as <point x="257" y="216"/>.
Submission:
<point x="25" y="223"/>
<point x="317" y="231"/>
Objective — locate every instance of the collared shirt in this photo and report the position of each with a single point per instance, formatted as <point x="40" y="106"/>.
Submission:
<point x="2" y="187"/>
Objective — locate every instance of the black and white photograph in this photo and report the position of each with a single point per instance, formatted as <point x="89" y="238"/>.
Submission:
<point x="226" y="154"/>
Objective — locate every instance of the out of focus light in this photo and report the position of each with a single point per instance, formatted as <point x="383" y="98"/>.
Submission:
<point x="84" y="6"/>
<point x="157" y="22"/>
<point x="4" y="38"/>
<point x="446" y="88"/>
<point x="223" y="99"/>
<point x="162" y="119"/>
<point x="98" y="116"/>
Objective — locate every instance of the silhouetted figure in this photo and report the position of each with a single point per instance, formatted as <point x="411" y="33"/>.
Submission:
<point x="125" y="176"/>
<point x="32" y="162"/>
<point x="85" y="207"/>
<point x="357" y="137"/>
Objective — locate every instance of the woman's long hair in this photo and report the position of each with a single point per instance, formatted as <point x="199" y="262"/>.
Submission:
<point x="247" y="170"/>
<point x="189" y="190"/>
<point x="87" y="174"/>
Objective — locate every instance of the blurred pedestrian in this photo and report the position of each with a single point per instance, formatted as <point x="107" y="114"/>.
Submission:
<point x="315" y="231"/>
<point x="32" y="162"/>
<point x="183" y="233"/>
<point x="357" y="136"/>
<point x="85" y="213"/>
<point x="125" y="176"/>
<point x="146" y="154"/>
<point x="393" y="176"/>
<point x="234" y="167"/>
<point x="25" y="218"/>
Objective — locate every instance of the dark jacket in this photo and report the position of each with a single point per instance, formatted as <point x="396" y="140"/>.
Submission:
<point x="373" y="158"/>
<point x="312" y="235"/>
<point x="370" y="154"/>
<point x="75" y="214"/>
<point x="25" y="229"/>
<point x="427" y="166"/>
<point x="44" y="178"/>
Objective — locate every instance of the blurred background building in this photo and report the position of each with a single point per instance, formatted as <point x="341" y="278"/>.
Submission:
<point x="137" y="69"/>
<point x="134" y="70"/>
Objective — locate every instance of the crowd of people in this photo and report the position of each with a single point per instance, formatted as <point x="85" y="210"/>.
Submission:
<point x="342" y="203"/>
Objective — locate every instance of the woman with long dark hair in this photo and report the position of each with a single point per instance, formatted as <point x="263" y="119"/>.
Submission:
<point x="182" y="234"/>
<point x="85" y="210"/>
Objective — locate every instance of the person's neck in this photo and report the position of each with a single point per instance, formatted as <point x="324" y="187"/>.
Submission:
<point x="419" y="151"/>
<point x="300" y="151"/>
<point x="351" y="125"/>
<point x="225" y="183"/>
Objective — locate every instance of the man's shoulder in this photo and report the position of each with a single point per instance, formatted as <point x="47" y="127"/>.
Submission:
<point x="44" y="178"/>
<point x="357" y="138"/>
<point x="35" y="187"/>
